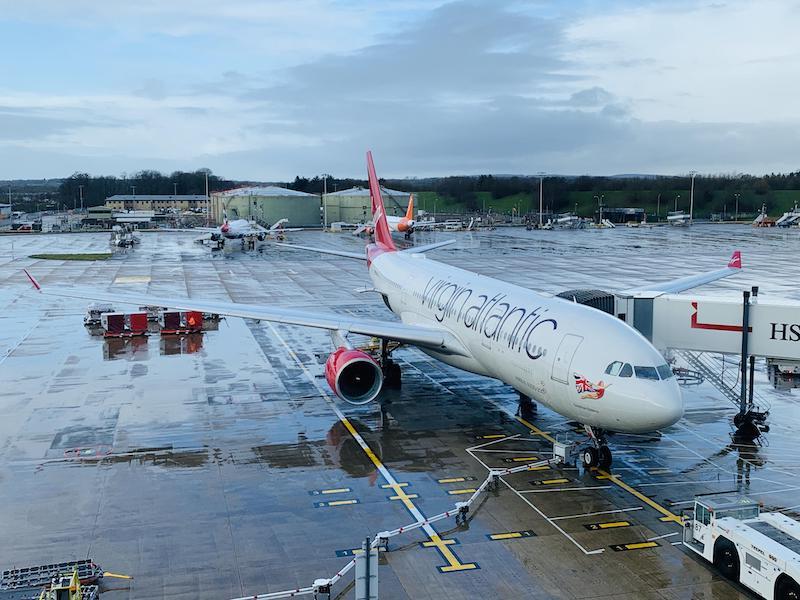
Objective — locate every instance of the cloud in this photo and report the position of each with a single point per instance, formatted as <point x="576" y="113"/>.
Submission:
<point x="463" y="87"/>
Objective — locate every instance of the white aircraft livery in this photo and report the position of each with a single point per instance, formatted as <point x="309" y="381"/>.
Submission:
<point x="579" y="361"/>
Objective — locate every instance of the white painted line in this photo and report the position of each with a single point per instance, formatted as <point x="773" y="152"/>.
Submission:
<point x="541" y="514"/>
<point x="661" y="537"/>
<point x="552" y="522"/>
<point x="568" y="489"/>
<point x="599" y="512"/>
<point x="492" y="442"/>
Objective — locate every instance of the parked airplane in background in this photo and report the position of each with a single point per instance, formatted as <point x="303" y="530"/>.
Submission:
<point x="241" y="229"/>
<point x="405" y="224"/>
<point x="579" y="361"/>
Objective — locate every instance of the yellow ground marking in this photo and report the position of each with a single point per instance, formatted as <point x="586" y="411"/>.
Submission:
<point x="412" y="496"/>
<point x="605" y="476"/>
<point x="641" y="545"/>
<point x="335" y="491"/>
<point x="493" y="436"/>
<point x="464" y="491"/>
<point x="506" y="536"/>
<point x="607" y="525"/>
<point x="342" y="502"/>
<point x="455" y="479"/>
<point x="613" y="478"/>
<point x="432" y="545"/>
<point x="511" y="535"/>
<point x="535" y="430"/>
<point x="637" y="494"/>
<point x="524" y="459"/>
<point x="453" y="563"/>
<point x="539" y="468"/>
<point x="613" y="524"/>
<point x="551" y="481"/>
<point x="132" y="279"/>
<point x="391" y="486"/>
<point x="116" y="575"/>
<point x="659" y="471"/>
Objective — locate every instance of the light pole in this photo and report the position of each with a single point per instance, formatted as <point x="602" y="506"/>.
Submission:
<point x="541" y="196"/>
<point x="691" y="198"/>
<point x="658" y="207"/>
<point x="677" y="197"/>
<point x="599" y="208"/>
<point x="324" y="203"/>
<point x="80" y="191"/>
<point x="174" y="189"/>
<point x="736" y="195"/>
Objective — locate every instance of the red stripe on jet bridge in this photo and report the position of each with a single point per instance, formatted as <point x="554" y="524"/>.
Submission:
<point x="714" y="326"/>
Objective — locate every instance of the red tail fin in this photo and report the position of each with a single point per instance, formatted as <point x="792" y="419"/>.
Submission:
<point x="736" y="260"/>
<point x="383" y="237"/>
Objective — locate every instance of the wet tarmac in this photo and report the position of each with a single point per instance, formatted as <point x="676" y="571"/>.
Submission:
<point x="218" y="466"/>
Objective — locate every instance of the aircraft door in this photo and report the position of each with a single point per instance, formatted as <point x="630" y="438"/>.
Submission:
<point x="563" y="359"/>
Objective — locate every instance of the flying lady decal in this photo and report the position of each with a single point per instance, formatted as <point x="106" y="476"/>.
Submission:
<point x="589" y="390"/>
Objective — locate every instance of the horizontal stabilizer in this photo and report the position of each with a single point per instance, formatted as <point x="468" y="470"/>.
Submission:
<point x="426" y="247"/>
<point x="356" y="255"/>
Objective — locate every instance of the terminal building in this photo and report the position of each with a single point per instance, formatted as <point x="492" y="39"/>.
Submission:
<point x="157" y="202"/>
<point x="354" y="206"/>
<point x="266" y="205"/>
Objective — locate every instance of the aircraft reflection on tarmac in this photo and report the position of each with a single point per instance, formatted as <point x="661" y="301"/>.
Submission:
<point x="137" y="347"/>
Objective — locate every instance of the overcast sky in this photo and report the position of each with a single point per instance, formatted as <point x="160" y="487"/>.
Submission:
<point x="267" y="89"/>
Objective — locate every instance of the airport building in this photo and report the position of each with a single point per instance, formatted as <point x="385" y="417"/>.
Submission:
<point x="157" y="202"/>
<point x="354" y="206"/>
<point x="266" y="205"/>
<point x="5" y="216"/>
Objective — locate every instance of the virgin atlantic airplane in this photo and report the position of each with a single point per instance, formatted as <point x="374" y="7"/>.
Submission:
<point x="584" y="364"/>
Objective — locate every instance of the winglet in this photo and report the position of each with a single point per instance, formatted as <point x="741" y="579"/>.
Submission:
<point x="33" y="281"/>
<point x="410" y="211"/>
<point x="736" y="260"/>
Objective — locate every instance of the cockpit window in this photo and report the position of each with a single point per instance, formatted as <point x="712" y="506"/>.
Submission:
<point x="613" y="368"/>
<point x="646" y="372"/>
<point x="627" y="371"/>
<point x="665" y="372"/>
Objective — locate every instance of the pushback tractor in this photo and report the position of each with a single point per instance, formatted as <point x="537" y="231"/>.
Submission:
<point x="759" y="550"/>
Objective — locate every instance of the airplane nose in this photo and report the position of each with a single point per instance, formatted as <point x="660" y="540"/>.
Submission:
<point x="667" y="406"/>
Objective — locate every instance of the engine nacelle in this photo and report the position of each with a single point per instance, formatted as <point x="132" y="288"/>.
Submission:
<point x="354" y="375"/>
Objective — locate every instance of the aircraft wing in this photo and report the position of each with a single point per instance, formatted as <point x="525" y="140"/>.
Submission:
<point x="692" y="281"/>
<point x="428" y="337"/>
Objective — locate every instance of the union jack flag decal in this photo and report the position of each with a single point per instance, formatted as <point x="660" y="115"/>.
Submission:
<point x="589" y="390"/>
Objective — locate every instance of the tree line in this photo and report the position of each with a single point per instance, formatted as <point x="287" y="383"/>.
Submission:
<point x="97" y="189"/>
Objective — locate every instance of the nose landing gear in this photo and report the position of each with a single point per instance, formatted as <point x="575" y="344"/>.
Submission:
<point x="598" y="454"/>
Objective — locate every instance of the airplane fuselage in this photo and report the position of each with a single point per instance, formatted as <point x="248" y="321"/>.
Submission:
<point x="555" y="351"/>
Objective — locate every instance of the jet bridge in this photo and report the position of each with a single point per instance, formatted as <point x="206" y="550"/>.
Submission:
<point x="714" y="324"/>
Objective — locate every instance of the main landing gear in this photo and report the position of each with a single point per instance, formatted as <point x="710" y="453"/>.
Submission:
<point x="598" y="454"/>
<point x="526" y="407"/>
<point x="392" y="375"/>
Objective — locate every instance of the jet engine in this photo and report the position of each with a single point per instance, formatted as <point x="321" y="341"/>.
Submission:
<point x="353" y="375"/>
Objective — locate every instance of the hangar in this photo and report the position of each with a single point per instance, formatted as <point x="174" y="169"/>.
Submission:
<point x="353" y="205"/>
<point x="267" y="204"/>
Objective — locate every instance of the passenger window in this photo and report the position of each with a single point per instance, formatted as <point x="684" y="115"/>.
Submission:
<point x="665" y="372"/>
<point x="613" y="368"/>
<point x="627" y="371"/>
<point x="646" y="372"/>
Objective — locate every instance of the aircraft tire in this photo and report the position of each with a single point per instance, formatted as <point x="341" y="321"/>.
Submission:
<point x="788" y="590"/>
<point x="589" y="457"/>
<point x="726" y="559"/>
